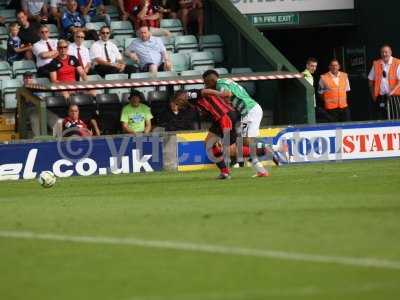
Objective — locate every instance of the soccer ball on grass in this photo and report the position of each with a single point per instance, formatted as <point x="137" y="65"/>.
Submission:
<point x="47" y="179"/>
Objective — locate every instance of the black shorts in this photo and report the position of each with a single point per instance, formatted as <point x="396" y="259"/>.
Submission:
<point x="147" y="67"/>
<point x="217" y="130"/>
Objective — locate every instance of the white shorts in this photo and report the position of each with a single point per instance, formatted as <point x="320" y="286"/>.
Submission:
<point x="250" y="123"/>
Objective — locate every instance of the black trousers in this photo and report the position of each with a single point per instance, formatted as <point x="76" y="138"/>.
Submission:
<point x="338" y="115"/>
<point x="103" y="70"/>
<point x="387" y="107"/>
<point x="43" y="71"/>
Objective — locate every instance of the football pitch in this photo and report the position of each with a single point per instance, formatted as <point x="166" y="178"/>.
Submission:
<point x="320" y="231"/>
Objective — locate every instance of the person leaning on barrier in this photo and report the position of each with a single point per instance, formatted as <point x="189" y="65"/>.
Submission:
<point x="73" y="125"/>
<point x="136" y="117"/>
<point x="384" y="81"/>
<point x="333" y="88"/>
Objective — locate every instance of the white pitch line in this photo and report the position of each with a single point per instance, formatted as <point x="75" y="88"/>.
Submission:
<point x="207" y="248"/>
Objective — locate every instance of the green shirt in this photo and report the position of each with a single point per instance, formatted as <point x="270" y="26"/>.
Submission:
<point x="241" y="100"/>
<point x="135" y="117"/>
<point x="310" y="79"/>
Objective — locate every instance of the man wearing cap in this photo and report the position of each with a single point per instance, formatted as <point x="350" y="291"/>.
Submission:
<point x="136" y="116"/>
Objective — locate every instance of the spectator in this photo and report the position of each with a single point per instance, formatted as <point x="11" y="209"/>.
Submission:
<point x="79" y="50"/>
<point x="311" y="67"/>
<point x="29" y="31"/>
<point x="45" y="51"/>
<point x="384" y="79"/>
<point x="176" y="119"/>
<point x="32" y="113"/>
<point x="333" y="87"/>
<point x="149" y="52"/>
<point x="65" y="68"/>
<point x="36" y="10"/>
<point x="126" y="8"/>
<point x="15" y="49"/>
<point x="136" y="116"/>
<point x="94" y="11"/>
<point x="72" y="20"/>
<point x="146" y="13"/>
<point x="107" y="57"/>
<point x="192" y="11"/>
<point x="57" y="8"/>
<point x="169" y="8"/>
<point x="73" y="125"/>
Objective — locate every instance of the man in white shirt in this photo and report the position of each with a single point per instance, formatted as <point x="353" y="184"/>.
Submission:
<point x="45" y="51"/>
<point x="149" y="52"/>
<point x="106" y="56"/>
<point x="384" y="81"/>
<point x="78" y="50"/>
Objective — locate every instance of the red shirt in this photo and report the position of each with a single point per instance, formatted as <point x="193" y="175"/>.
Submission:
<point x="73" y="127"/>
<point x="65" y="68"/>
<point x="130" y="4"/>
<point x="151" y="10"/>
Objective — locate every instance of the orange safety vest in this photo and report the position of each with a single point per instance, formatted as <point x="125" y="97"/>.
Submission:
<point x="392" y="76"/>
<point x="335" y="96"/>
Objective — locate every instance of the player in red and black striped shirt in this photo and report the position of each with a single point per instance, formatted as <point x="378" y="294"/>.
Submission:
<point x="223" y="117"/>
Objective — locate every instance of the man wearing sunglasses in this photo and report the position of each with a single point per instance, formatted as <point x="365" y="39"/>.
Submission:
<point x="384" y="81"/>
<point x="45" y="51"/>
<point x="78" y="49"/>
<point x="333" y="88"/>
<point x="107" y="57"/>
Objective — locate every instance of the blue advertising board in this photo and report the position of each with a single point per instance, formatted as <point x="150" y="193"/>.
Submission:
<point x="81" y="157"/>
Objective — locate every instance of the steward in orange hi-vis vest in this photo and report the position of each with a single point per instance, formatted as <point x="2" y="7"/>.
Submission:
<point x="391" y="76"/>
<point x="335" y="95"/>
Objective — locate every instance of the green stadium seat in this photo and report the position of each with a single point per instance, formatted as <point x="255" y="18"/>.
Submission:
<point x="53" y="31"/>
<point x="180" y="62"/>
<point x="186" y="44"/>
<point x="250" y="86"/>
<point x="5" y="68"/>
<point x="96" y="77"/>
<point x="127" y="42"/>
<point x="191" y="73"/>
<point x="121" y="27"/>
<point x="22" y="66"/>
<point x="3" y="33"/>
<point x="202" y="60"/>
<point x="145" y="89"/>
<point x="172" y="25"/>
<point x="166" y="74"/>
<point x="9" y="15"/>
<point x="169" y="43"/>
<point x="212" y="43"/>
<point x="119" y="91"/>
<point x="113" y="12"/>
<point x="95" y="25"/>
<point x="222" y="71"/>
<point x="121" y="40"/>
<point x="9" y="89"/>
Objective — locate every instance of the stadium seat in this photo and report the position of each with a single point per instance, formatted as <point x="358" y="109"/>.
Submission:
<point x="3" y="33"/>
<point x="9" y="88"/>
<point x="57" y="105"/>
<point x="9" y="15"/>
<point x="202" y="60"/>
<point x="113" y="12"/>
<point x="172" y="25"/>
<point x="22" y="66"/>
<point x="145" y="89"/>
<point x="119" y="76"/>
<point x="125" y="98"/>
<point x="121" y="27"/>
<point x="121" y="40"/>
<point x="86" y="104"/>
<point x="192" y="73"/>
<point x="157" y="96"/>
<point x="186" y="44"/>
<point x="221" y="71"/>
<point x="88" y="43"/>
<point x="53" y="31"/>
<point x="127" y="42"/>
<point x="42" y="81"/>
<point x="109" y="108"/>
<point x="180" y="62"/>
<point x="158" y="101"/>
<point x="95" y="25"/>
<point x="169" y="43"/>
<point x="96" y="77"/>
<point x="212" y="43"/>
<point x="4" y="78"/>
<point x="5" y="68"/>
<point x="167" y="74"/>
<point x="250" y="86"/>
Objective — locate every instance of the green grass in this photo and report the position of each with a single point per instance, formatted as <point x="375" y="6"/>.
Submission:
<point x="338" y="209"/>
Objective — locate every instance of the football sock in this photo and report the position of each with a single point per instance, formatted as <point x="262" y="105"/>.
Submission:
<point x="217" y="151"/>
<point x="257" y="165"/>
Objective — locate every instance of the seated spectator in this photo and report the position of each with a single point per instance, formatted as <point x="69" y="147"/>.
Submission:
<point x="136" y="116"/>
<point x="73" y="125"/>
<point x="149" y="52"/>
<point x="29" y="31"/>
<point x="146" y="13"/>
<point x="57" y="8"/>
<point x="176" y="119"/>
<point x="192" y="11"/>
<point x="45" y="51"/>
<point x="107" y="58"/>
<point x="94" y="11"/>
<point x="168" y="8"/>
<point x="79" y="50"/>
<point x="65" y="68"/>
<point x="36" y="10"/>
<point x="126" y="8"/>
<point x="72" y="20"/>
<point x="15" y="49"/>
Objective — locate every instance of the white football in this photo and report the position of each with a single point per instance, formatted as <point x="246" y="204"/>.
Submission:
<point x="47" y="179"/>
